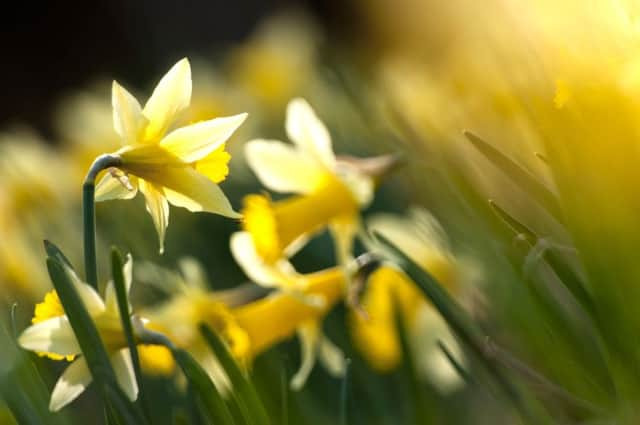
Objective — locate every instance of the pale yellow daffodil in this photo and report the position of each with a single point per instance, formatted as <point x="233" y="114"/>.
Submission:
<point x="328" y="192"/>
<point x="51" y="335"/>
<point x="390" y="292"/>
<point x="181" y="166"/>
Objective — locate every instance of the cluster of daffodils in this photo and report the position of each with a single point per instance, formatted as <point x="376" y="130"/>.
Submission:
<point x="183" y="165"/>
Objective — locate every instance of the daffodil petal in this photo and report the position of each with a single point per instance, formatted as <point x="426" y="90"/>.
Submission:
<point x="308" y="132"/>
<point x="308" y="335"/>
<point x="110" y="188"/>
<point x="169" y="99"/>
<point x="331" y="357"/>
<point x="185" y="187"/>
<point x="282" y="168"/>
<point x="54" y="335"/>
<point x="254" y="266"/>
<point x="127" y="114"/>
<point x="196" y="141"/>
<point x="123" y="368"/>
<point x="157" y="207"/>
<point x="92" y="301"/>
<point x="70" y="385"/>
<point x="430" y="361"/>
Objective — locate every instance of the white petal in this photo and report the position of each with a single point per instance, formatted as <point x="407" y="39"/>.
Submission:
<point x="123" y="368"/>
<point x="244" y="252"/>
<point x="71" y="384"/>
<point x="331" y="357"/>
<point x="194" y="142"/>
<point x="308" y="132"/>
<point x="54" y="335"/>
<point x="309" y="338"/>
<point x="185" y="187"/>
<point x="170" y="98"/>
<point x="127" y="114"/>
<point x="158" y="207"/>
<point x="431" y="362"/>
<point x="110" y="188"/>
<point x="90" y="298"/>
<point x="282" y="168"/>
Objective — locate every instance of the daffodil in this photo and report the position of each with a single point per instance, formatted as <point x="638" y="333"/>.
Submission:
<point x="181" y="166"/>
<point x="328" y="192"/>
<point x="51" y="335"/>
<point x="301" y="304"/>
<point x="390" y="292"/>
<point x="247" y="326"/>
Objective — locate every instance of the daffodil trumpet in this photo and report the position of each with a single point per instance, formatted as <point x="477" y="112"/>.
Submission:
<point x="275" y="226"/>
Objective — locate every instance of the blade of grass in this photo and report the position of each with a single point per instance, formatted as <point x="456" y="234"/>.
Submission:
<point x="521" y="177"/>
<point x="344" y="394"/>
<point x="244" y="392"/>
<point x="125" y="318"/>
<point x="54" y="252"/>
<point x="214" y="404"/>
<point x="565" y="273"/>
<point x="463" y="327"/>
<point x="464" y="374"/>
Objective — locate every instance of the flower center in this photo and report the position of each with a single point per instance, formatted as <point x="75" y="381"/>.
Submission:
<point x="49" y="308"/>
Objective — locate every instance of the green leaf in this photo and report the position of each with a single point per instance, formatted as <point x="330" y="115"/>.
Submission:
<point x="207" y="392"/>
<point x="461" y="325"/>
<point x="83" y="327"/>
<point x="521" y="177"/>
<point x="550" y="254"/>
<point x="243" y="391"/>
<point x="54" y="252"/>
<point x="89" y="340"/>
<point x="125" y="317"/>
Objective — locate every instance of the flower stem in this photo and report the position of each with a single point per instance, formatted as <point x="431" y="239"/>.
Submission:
<point x="89" y="215"/>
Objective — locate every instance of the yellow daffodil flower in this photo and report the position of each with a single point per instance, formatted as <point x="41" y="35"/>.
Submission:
<point x="51" y="335"/>
<point x="301" y="304"/>
<point x="328" y="192"/>
<point x="181" y="166"/>
<point x="389" y="290"/>
<point x="277" y="61"/>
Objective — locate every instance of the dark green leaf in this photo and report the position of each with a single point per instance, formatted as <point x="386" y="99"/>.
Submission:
<point x="244" y="393"/>
<point x="209" y="395"/>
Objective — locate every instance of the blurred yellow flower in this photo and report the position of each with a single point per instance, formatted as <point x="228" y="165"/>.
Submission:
<point x="51" y="335"/>
<point x="247" y="327"/>
<point x="300" y="305"/>
<point x="390" y="292"/>
<point x="330" y="192"/>
<point x="277" y="61"/>
<point x="178" y="166"/>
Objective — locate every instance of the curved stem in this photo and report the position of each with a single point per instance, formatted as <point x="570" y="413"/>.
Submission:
<point x="89" y="215"/>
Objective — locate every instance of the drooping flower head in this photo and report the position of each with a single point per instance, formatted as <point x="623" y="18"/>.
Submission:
<point x="52" y="336"/>
<point x="391" y="294"/>
<point x="327" y="192"/>
<point x="181" y="166"/>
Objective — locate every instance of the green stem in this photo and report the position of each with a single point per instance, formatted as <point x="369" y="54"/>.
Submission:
<point x="89" y="215"/>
